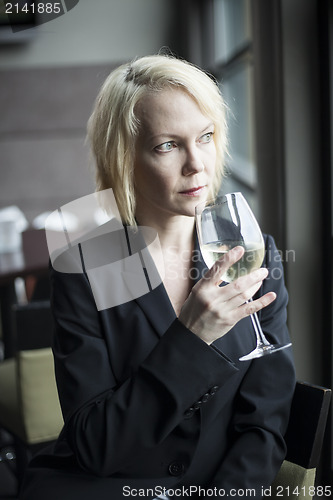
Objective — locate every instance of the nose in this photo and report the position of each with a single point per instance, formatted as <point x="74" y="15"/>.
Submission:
<point x="193" y="163"/>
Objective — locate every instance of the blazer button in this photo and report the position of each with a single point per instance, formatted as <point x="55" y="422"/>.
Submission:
<point x="197" y="405"/>
<point x="205" y="397"/>
<point x="189" y="413"/>
<point x="213" y="390"/>
<point x="176" y="468"/>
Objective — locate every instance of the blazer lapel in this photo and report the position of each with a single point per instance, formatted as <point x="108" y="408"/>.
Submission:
<point x="198" y="262"/>
<point x="155" y="304"/>
<point x="157" y="307"/>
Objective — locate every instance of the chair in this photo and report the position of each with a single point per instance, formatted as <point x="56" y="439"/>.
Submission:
<point x="304" y="439"/>
<point x="29" y="405"/>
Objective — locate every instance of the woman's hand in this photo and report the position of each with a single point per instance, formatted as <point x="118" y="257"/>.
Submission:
<point x="211" y="311"/>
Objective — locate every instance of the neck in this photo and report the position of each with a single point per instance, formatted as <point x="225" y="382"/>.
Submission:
<point x="173" y="231"/>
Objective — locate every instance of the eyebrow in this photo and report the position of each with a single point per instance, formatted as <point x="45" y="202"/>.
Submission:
<point x="169" y="135"/>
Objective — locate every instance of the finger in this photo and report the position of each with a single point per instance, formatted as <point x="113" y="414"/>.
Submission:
<point x="216" y="272"/>
<point x="258" y="304"/>
<point x="240" y="298"/>
<point x="254" y="306"/>
<point x="243" y="287"/>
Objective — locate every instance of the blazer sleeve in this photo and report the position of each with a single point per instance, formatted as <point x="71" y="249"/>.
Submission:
<point x="107" y="424"/>
<point x="263" y="402"/>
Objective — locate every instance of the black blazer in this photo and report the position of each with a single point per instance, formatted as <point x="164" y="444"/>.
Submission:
<point x="147" y="404"/>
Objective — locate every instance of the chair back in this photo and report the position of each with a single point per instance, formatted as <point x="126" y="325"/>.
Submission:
<point x="33" y="325"/>
<point x="307" y="424"/>
<point x="304" y="439"/>
<point x="29" y="401"/>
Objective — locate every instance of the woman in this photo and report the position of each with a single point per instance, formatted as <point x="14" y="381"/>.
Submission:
<point x="153" y="395"/>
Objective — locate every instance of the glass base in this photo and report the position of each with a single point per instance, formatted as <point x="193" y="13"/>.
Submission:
<point x="262" y="350"/>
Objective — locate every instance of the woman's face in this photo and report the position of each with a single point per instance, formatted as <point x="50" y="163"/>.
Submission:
<point x="175" y="155"/>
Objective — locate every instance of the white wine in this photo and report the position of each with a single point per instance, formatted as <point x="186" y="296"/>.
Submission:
<point x="251" y="260"/>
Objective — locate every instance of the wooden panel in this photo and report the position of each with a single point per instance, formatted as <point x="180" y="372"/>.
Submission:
<point x="45" y="99"/>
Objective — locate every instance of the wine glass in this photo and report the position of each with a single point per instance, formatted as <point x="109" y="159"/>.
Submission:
<point x="222" y="224"/>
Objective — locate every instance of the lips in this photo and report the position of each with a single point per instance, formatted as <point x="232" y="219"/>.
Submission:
<point x="193" y="191"/>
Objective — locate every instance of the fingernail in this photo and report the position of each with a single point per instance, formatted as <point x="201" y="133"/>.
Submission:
<point x="237" y="249"/>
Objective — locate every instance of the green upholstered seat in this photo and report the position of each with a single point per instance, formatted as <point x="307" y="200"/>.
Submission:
<point x="293" y="482"/>
<point x="9" y="415"/>
<point x="29" y="403"/>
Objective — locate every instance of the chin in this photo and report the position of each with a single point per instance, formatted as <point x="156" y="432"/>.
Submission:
<point x="190" y="211"/>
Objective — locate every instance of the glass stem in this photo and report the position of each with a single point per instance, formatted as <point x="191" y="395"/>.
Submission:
<point x="261" y="339"/>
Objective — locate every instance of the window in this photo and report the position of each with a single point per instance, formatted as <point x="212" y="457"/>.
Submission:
<point x="233" y="68"/>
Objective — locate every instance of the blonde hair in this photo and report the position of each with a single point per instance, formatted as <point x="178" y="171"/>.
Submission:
<point x="113" y="125"/>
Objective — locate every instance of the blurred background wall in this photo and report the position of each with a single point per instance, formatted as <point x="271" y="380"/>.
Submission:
<point x="97" y="32"/>
<point x="273" y="59"/>
<point x="47" y="89"/>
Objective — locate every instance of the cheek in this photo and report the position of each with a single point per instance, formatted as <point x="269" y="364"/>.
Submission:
<point x="162" y="181"/>
<point x="213" y="151"/>
<point x="152" y="176"/>
<point x="211" y="160"/>
<point x="160" y="168"/>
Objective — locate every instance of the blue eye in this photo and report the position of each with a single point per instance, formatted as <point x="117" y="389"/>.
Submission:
<point x="165" y="147"/>
<point x="206" y="138"/>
